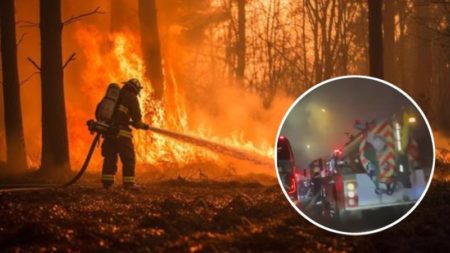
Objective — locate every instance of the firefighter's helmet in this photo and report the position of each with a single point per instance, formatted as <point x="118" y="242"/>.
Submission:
<point x="135" y="84"/>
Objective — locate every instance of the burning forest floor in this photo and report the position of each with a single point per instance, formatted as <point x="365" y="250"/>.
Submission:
<point x="179" y="215"/>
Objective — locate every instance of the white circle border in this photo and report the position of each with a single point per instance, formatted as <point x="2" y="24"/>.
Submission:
<point x="370" y="231"/>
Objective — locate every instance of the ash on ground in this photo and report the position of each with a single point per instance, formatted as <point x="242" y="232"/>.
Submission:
<point x="178" y="215"/>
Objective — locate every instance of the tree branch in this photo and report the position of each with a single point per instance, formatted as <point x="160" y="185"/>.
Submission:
<point x="20" y="39"/>
<point x="34" y="64"/>
<point x="26" y="24"/>
<point x="29" y="77"/>
<point x="71" y="58"/>
<point x="81" y="16"/>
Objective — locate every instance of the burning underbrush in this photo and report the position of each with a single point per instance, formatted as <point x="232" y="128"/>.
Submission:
<point x="442" y="148"/>
<point x="441" y="171"/>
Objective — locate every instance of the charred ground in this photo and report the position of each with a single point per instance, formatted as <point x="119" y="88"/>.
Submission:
<point x="178" y="215"/>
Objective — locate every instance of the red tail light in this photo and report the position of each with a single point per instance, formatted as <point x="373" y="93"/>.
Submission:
<point x="352" y="202"/>
<point x="337" y="152"/>
<point x="293" y="187"/>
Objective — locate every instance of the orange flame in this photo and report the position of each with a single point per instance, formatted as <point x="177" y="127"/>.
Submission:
<point x="116" y="57"/>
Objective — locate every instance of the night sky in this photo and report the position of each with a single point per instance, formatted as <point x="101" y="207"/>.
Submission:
<point x="321" y="118"/>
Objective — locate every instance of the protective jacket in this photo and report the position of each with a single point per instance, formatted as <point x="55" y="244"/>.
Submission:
<point x="128" y="109"/>
<point x="119" y="142"/>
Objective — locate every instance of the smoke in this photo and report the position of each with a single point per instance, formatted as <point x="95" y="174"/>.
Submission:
<point x="319" y="122"/>
<point x="228" y="111"/>
<point x="231" y="111"/>
<point x="310" y="129"/>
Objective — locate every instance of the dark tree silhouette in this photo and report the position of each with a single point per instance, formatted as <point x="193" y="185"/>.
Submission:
<point x="423" y="37"/>
<point x="151" y="45"/>
<point x="333" y="24"/>
<point x="375" y="39"/>
<point x="15" y="143"/>
<point x="240" y="47"/>
<point x="55" y="148"/>
<point x="389" y="40"/>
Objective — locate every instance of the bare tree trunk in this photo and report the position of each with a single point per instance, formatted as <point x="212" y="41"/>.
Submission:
<point x="323" y="36"/>
<point x="402" y="48"/>
<point x="375" y="39"/>
<point x="55" y="147"/>
<point x="241" y="40"/>
<point x="423" y="37"/>
<point x="342" y="33"/>
<point x="440" y="75"/>
<point x="317" y="65"/>
<point x="229" y="47"/>
<point x="328" y="21"/>
<point x="304" y="49"/>
<point x="150" y="45"/>
<point x="389" y="42"/>
<point x="325" y="19"/>
<point x="15" y="143"/>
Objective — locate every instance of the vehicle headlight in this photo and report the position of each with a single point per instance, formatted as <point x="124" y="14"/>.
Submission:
<point x="351" y="194"/>
<point x="351" y="186"/>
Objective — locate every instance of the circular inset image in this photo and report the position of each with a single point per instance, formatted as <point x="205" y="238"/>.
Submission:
<point x="355" y="155"/>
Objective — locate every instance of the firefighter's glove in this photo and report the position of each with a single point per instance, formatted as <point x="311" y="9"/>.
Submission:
<point x="141" y="125"/>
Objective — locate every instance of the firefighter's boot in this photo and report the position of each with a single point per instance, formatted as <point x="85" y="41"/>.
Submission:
<point x="107" y="181"/>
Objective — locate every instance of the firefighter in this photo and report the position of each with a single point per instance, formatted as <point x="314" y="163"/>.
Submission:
<point x="118" y="141"/>
<point x="316" y="179"/>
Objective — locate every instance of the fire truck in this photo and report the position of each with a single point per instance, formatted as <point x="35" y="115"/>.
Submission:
<point x="286" y="167"/>
<point x="377" y="168"/>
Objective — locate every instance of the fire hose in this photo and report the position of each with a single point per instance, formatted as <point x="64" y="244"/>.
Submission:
<point x="98" y="129"/>
<point x="69" y="183"/>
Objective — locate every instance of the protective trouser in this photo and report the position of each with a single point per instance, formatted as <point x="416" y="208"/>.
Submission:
<point x="112" y="148"/>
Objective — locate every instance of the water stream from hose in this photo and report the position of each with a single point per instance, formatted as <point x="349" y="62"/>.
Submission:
<point x="215" y="147"/>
